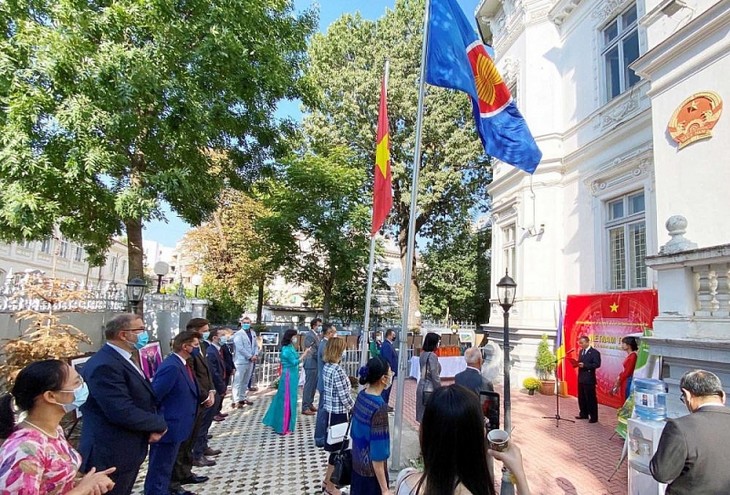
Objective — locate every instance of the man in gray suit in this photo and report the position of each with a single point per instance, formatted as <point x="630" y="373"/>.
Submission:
<point x="311" y="341"/>
<point x="471" y="377"/>
<point x="246" y="355"/>
<point x="693" y="454"/>
<point x="320" y="430"/>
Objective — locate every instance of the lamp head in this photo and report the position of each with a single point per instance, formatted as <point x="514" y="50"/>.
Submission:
<point x="506" y="289"/>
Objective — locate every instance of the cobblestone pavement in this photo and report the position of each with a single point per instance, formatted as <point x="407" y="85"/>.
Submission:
<point x="572" y="459"/>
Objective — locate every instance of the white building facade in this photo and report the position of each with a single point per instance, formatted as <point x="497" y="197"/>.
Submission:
<point x="597" y="82"/>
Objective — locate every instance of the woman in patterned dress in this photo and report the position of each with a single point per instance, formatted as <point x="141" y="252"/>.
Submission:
<point x="35" y="457"/>
<point x="369" y="431"/>
<point x="282" y="413"/>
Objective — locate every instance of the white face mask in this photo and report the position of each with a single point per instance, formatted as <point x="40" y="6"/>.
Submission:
<point x="294" y="340"/>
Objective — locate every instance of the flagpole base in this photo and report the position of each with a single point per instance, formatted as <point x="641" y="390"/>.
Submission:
<point x="506" y="488"/>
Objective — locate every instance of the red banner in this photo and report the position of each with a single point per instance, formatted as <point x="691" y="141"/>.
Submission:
<point x="606" y="319"/>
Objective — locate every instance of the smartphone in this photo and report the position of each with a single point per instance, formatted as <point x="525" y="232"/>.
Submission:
<point x="490" y="408"/>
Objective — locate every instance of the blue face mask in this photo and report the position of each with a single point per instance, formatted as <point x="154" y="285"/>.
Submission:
<point x="206" y="335"/>
<point x="142" y="340"/>
<point x="80" y="396"/>
<point x="224" y="339"/>
<point x="246" y="326"/>
<point x="196" y="351"/>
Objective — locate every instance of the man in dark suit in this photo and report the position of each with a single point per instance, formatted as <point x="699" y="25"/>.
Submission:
<point x="693" y="454"/>
<point x="177" y="397"/>
<point x="471" y="377"/>
<point x="387" y="352"/>
<point x="120" y="415"/>
<point x="311" y="341"/>
<point x="589" y="360"/>
<point x="187" y="457"/>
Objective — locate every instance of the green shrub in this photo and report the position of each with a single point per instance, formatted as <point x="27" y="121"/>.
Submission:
<point x="546" y="361"/>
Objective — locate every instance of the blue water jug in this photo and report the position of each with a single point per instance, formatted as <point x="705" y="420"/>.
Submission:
<point x="650" y="399"/>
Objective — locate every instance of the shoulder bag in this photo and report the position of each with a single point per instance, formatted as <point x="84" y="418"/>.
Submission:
<point x="342" y="472"/>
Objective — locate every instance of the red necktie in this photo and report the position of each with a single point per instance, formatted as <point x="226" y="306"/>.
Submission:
<point x="221" y="358"/>
<point x="190" y="372"/>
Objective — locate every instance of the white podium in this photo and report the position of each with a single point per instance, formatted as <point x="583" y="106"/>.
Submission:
<point x="643" y="441"/>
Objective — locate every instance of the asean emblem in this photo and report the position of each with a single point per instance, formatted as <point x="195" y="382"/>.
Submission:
<point x="694" y="119"/>
<point x="493" y="94"/>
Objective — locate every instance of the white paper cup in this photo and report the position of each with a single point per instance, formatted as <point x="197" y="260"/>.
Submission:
<point x="498" y="440"/>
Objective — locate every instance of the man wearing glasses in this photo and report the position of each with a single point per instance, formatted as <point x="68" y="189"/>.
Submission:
<point x="120" y="415"/>
<point x="693" y="454"/>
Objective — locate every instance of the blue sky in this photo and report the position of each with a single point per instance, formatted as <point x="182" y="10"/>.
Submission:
<point x="171" y="232"/>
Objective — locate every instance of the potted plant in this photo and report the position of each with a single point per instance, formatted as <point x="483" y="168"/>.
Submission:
<point x="545" y="366"/>
<point x="531" y="384"/>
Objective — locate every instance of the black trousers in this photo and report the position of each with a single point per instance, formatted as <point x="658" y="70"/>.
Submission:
<point x="183" y="466"/>
<point x="587" y="401"/>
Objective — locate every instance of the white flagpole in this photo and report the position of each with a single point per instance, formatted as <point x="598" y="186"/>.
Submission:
<point x="398" y="462"/>
<point x="365" y="336"/>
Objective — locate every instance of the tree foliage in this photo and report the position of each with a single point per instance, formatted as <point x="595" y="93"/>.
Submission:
<point x="455" y="274"/>
<point x="108" y="108"/>
<point x="318" y="225"/>
<point x="346" y="67"/>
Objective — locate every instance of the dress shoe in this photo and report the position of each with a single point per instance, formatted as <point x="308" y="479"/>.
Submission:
<point x="593" y="420"/>
<point x="581" y="417"/>
<point x="182" y="491"/>
<point x="209" y="437"/>
<point x="390" y="409"/>
<point x="203" y="462"/>
<point x="194" y="479"/>
<point x="225" y="415"/>
<point x="247" y="402"/>
<point x="309" y="412"/>
<point x="210" y="451"/>
<point x="314" y="408"/>
<point x="218" y="418"/>
<point x="254" y="389"/>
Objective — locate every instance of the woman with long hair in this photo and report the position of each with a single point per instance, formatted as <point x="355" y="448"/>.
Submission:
<point x="369" y="431"/>
<point x="624" y="379"/>
<point x="430" y="378"/>
<point x="282" y="413"/>
<point x="36" y="458"/>
<point x="337" y="402"/>
<point x="453" y="444"/>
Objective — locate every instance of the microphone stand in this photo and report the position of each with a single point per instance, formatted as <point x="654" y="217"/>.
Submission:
<point x="557" y="417"/>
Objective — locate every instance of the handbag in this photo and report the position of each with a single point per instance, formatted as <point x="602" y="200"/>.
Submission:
<point x="428" y="387"/>
<point x="336" y="433"/>
<point x="342" y="472"/>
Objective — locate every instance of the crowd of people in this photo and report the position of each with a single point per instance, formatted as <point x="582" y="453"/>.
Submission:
<point x="128" y="418"/>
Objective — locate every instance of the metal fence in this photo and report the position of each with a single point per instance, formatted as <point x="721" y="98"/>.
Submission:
<point x="267" y="370"/>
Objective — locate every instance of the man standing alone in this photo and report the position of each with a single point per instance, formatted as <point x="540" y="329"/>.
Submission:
<point x="589" y="361"/>
<point x="693" y="454"/>
<point x="311" y="341"/>
<point x="120" y="415"/>
<point x="246" y="355"/>
<point x="387" y="352"/>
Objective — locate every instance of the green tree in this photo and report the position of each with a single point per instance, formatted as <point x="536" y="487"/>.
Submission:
<point x="318" y="224"/>
<point x="109" y="108"/>
<point x="346" y="67"/>
<point x="455" y="274"/>
<point x="231" y="252"/>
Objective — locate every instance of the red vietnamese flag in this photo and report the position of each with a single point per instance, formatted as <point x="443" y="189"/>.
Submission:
<point x="382" y="191"/>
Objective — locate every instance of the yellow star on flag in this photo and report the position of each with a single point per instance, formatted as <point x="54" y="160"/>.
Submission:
<point x="614" y="308"/>
<point x="382" y="155"/>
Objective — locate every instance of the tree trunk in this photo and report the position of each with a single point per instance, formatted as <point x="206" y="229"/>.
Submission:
<point x="260" y="301"/>
<point x="415" y="297"/>
<point x="326" y="299"/>
<point x="135" y="252"/>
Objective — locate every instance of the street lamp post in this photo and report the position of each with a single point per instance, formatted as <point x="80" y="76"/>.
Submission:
<point x="506" y="289"/>
<point x="135" y="293"/>
<point x="161" y="269"/>
<point x="197" y="281"/>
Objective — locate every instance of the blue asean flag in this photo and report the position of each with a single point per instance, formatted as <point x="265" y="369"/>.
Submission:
<point x="457" y="59"/>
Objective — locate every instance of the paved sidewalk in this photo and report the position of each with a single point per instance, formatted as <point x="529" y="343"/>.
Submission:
<point x="573" y="459"/>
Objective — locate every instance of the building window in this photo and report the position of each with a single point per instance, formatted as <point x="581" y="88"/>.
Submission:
<point x="46" y="245"/>
<point x="626" y="229"/>
<point x="509" y="247"/>
<point x="79" y="254"/>
<point x="620" y="48"/>
<point x="63" y="249"/>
